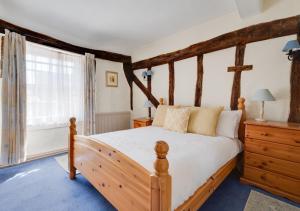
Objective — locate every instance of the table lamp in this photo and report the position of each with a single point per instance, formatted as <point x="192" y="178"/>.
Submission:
<point x="261" y="96"/>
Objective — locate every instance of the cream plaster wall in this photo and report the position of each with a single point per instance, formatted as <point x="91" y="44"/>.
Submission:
<point x="271" y="67"/>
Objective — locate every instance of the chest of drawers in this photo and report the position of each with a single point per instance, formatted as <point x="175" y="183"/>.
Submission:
<point x="272" y="157"/>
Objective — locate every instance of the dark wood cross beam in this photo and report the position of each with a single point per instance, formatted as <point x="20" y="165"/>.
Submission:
<point x="239" y="67"/>
<point x="171" y="83"/>
<point x="149" y="90"/>
<point x="295" y="86"/>
<point x="39" y="38"/>
<point x="198" y="91"/>
<point x="254" y="33"/>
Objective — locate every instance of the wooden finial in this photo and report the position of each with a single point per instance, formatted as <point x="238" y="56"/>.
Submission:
<point x="161" y="101"/>
<point x="161" y="164"/>
<point x="73" y="126"/>
<point x="241" y="103"/>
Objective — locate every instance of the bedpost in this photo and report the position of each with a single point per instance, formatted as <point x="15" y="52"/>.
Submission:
<point x="161" y="101"/>
<point x="161" y="166"/>
<point x="241" y="106"/>
<point x="72" y="134"/>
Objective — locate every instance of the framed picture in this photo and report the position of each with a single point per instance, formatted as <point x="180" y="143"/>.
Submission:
<point x="111" y="79"/>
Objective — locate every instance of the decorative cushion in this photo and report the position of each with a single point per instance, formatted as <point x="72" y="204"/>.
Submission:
<point x="204" y="120"/>
<point x="177" y="119"/>
<point x="160" y="114"/>
<point x="229" y="123"/>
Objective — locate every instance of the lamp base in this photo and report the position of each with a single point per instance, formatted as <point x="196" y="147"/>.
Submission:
<point x="260" y="120"/>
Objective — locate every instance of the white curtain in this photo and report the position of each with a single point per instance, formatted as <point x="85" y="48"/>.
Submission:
<point x="89" y="94"/>
<point x="54" y="86"/>
<point x="13" y="147"/>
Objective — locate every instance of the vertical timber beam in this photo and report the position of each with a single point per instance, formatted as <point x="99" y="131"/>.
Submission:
<point x="198" y="91"/>
<point x="236" y="85"/>
<point x="127" y="67"/>
<point x="171" y="83"/>
<point x="149" y="90"/>
<point x="295" y="85"/>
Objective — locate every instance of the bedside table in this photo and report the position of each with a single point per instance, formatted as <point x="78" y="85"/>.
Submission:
<point x="272" y="157"/>
<point x="142" y="122"/>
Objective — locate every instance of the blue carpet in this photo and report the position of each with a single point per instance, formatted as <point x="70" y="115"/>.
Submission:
<point x="44" y="185"/>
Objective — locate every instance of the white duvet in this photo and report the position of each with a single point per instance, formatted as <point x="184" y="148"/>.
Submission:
<point x="193" y="158"/>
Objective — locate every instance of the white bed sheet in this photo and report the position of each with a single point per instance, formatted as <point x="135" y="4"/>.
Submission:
<point x="193" y="158"/>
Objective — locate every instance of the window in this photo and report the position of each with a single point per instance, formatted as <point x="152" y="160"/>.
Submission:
<point x="54" y="86"/>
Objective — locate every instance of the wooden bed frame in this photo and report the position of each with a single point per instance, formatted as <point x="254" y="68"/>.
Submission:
<point x="127" y="184"/>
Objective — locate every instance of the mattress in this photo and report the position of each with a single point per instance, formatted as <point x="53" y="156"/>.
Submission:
<point x="193" y="158"/>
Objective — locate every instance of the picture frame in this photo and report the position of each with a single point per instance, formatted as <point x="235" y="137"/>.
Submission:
<point x="111" y="79"/>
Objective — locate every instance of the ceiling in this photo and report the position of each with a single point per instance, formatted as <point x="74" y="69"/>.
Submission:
<point x="114" y="25"/>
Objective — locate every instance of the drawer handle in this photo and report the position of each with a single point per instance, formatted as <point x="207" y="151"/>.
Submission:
<point x="263" y="177"/>
<point x="264" y="134"/>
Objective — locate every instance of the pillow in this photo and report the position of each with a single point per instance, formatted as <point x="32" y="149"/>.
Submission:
<point x="177" y="119"/>
<point x="160" y="114"/>
<point x="229" y="123"/>
<point x="204" y="120"/>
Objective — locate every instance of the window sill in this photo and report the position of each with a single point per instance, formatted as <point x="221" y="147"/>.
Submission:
<point x="50" y="127"/>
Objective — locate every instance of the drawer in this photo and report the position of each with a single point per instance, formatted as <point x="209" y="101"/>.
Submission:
<point x="281" y="151"/>
<point x="273" y="180"/>
<point x="288" y="168"/>
<point x="279" y="135"/>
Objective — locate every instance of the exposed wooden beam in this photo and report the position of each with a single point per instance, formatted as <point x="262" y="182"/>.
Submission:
<point x="39" y="38"/>
<point x="152" y="99"/>
<point x="149" y="90"/>
<point x="254" y="33"/>
<point x="198" y="91"/>
<point x="171" y="83"/>
<point x="129" y="76"/>
<point x="295" y="86"/>
<point x="240" y="68"/>
<point x="236" y="85"/>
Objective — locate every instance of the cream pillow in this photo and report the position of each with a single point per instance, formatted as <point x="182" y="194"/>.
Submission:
<point x="177" y="119"/>
<point x="229" y="123"/>
<point x="204" y="120"/>
<point x="160" y="114"/>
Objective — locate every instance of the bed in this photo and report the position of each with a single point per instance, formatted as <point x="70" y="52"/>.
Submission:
<point x="120" y="165"/>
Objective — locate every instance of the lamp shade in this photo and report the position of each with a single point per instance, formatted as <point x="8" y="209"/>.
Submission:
<point x="148" y="104"/>
<point x="263" y="95"/>
<point x="290" y="45"/>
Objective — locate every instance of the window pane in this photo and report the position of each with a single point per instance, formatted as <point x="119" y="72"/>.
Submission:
<point x="54" y="86"/>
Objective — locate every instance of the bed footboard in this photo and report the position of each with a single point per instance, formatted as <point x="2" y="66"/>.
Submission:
<point x="122" y="181"/>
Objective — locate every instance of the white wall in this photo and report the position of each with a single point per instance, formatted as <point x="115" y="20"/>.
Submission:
<point x="108" y="99"/>
<point x="111" y="99"/>
<point x="271" y="66"/>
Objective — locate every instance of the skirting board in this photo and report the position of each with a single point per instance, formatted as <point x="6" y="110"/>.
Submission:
<point x="40" y="155"/>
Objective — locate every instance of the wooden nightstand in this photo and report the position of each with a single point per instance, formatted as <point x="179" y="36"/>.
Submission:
<point x="142" y="122"/>
<point x="272" y="157"/>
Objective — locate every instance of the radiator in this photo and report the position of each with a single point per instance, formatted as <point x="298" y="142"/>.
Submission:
<point x="112" y="121"/>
